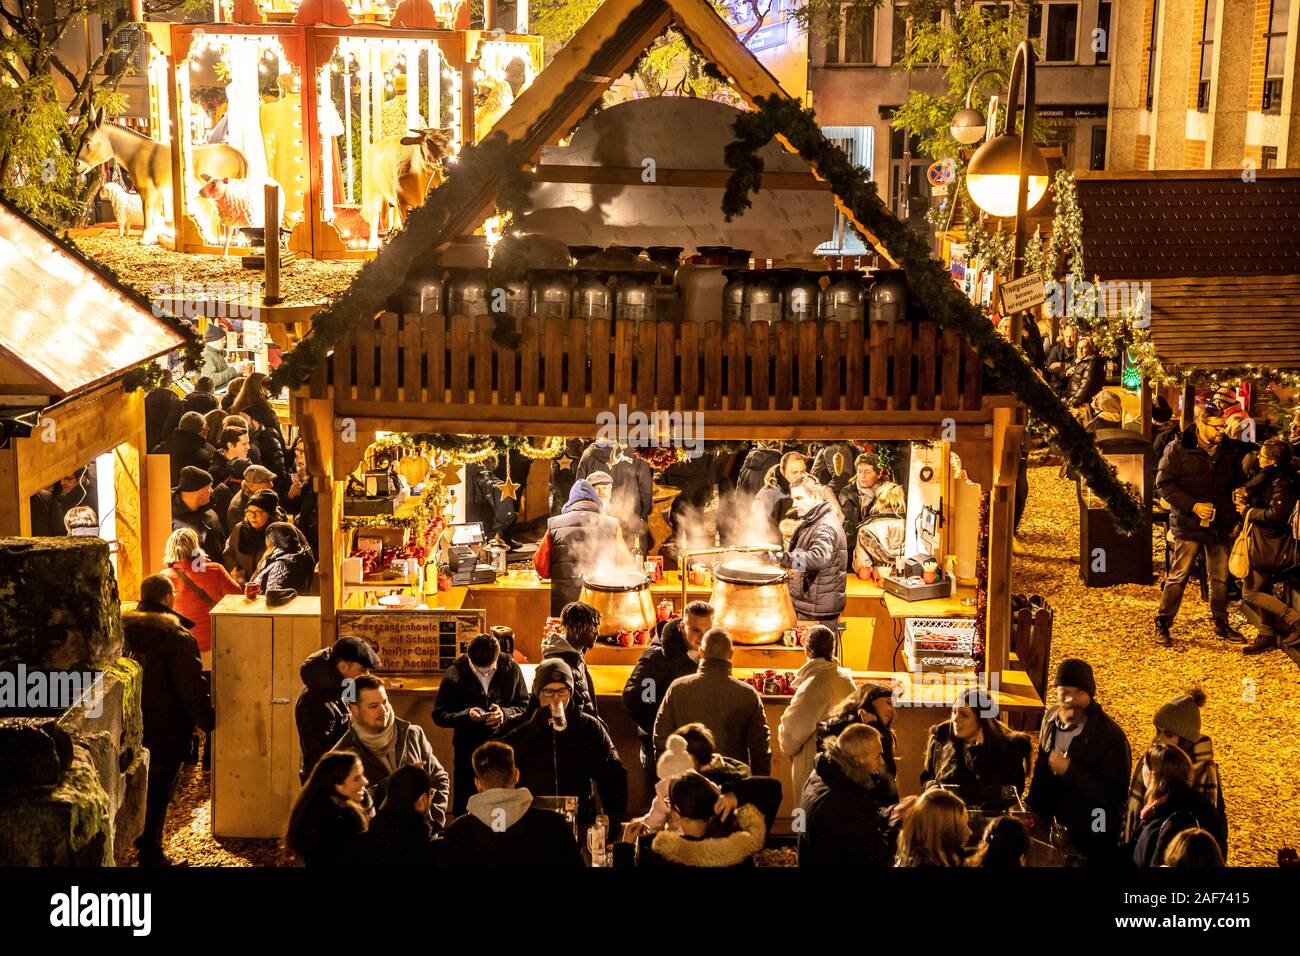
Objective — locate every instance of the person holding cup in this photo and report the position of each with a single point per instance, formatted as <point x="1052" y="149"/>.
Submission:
<point x="1197" y="476"/>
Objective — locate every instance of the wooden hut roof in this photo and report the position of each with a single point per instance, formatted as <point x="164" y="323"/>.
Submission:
<point x="66" y="325"/>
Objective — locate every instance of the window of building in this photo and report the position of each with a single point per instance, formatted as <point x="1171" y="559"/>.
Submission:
<point x="1151" y="53"/>
<point x="999" y="10"/>
<point x="1103" y="24"/>
<point x="902" y="26"/>
<point x="858" y="143"/>
<point x="908" y="187"/>
<point x="1059" y="41"/>
<point x="1268" y="157"/>
<point x="1275" y="56"/>
<point x="854" y="41"/>
<point x="1207" y="57"/>
<point x="1097" y="154"/>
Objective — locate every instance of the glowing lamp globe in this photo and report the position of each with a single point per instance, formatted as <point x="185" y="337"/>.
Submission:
<point x="994" y="172"/>
<point x="967" y="126"/>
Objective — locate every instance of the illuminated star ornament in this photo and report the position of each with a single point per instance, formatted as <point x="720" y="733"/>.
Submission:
<point x="565" y="463"/>
<point x="508" y="488"/>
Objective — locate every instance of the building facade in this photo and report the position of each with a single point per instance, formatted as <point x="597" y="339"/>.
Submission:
<point x="1205" y="84"/>
<point x="856" y="88"/>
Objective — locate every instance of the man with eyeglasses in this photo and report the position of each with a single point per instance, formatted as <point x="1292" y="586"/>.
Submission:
<point x="561" y="750"/>
<point x="1197" y="475"/>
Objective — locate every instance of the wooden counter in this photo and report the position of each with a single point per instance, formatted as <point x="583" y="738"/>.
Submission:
<point x="919" y="705"/>
<point x="872" y="636"/>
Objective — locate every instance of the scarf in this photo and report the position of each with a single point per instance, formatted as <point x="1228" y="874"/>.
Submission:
<point x="252" y="540"/>
<point x="382" y="744"/>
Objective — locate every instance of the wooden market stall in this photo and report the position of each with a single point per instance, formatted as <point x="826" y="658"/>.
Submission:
<point x="313" y="96"/>
<point x="69" y="336"/>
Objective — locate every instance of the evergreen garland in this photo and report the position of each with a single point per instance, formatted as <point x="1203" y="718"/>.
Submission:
<point x="777" y="115"/>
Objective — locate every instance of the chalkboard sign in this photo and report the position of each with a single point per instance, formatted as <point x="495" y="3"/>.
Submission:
<point x="414" y="642"/>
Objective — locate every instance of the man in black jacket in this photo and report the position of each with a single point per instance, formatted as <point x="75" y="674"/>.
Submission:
<point x="480" y="691"/>
<point x="672" y="654"/>
<point x="846" y="804"/>
<point x="1197" y="476"/>
<point x="1082" y="774"/>
<point x="186" y="446"/>
<point x="503" y="828"/>
<point x="566" y="760"/>
<point x="174" y="700"/>
<point x="321" y="711"/>
<point x="159" y="403"/>
<point x="192" y="508"/>
<point x="818" y="555"/>
<point x="202" y="400"/>
<point x="399" y="835"/>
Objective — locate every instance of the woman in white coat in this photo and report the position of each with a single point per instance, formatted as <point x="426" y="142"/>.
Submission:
<point x="820" y="684"/>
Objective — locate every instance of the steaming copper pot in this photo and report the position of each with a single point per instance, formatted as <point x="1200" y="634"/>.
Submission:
<point x="752" y="603"/>
<point x="622" y="598"/>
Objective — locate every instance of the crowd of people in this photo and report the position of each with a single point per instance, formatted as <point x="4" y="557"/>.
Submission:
<point x="524" y="757"/>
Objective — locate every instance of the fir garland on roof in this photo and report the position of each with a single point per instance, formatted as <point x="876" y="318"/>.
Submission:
<point x="780" y="116"/>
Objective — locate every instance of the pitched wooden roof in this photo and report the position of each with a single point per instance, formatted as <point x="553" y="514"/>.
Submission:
<point x="1227" y="321"/>
<point x="66" y="326"/>
<point x="1149" y="225"/>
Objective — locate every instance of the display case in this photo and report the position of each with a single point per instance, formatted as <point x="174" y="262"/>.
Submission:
<point x="353" y="111"/>
<point x="1106" y="556"/>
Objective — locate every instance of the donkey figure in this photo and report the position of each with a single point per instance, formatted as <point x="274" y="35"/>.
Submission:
<point x="149" y="164"/>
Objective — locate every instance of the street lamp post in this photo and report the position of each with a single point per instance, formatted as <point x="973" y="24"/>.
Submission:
<point x="1007" y="176"/>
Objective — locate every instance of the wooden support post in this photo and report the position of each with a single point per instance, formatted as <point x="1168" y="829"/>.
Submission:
<point x="1189" y="405"/>
<point x="997" y="620"/>
<point x="271" y="239"/>
<point x="129" y="490"/>
<point x="1147" y="424"/>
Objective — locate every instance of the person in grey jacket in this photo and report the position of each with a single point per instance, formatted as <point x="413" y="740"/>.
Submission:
<point x="729" y="708"/>
<point x="818" y="555"/>
<point x="386" y="743"/>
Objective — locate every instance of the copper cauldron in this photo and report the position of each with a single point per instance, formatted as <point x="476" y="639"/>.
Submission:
<point x="751" y="602"/>
<point x="622" y="598"/>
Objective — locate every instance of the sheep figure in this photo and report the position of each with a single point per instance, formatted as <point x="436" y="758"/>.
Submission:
<point x="128" y="208"/>
<point x="238" y="201"/>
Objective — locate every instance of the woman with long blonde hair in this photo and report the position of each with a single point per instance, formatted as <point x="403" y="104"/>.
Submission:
<point x="935" y="831"/>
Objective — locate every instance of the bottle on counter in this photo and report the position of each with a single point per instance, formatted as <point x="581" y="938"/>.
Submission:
<point x="551" y="295"/>
<point x="733" y="297"/>
<point x="762" y="297"/>
<point x="803" y="295"/>
<point x="592" y="298"/>
<point x="467" y="291"/>
<point x="634" y="297"/>
<point x="843" y="301"/>
<point x="596" y="838"/>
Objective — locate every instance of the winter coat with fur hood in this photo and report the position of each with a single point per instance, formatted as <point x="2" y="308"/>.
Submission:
<point x="174" y="697"/>
<point x="819" y="686"/>
<point x="845" y="822"/>
<point x="502" y="828"/>
<point x="668" y="848"/>
<point x="319" y="712"/>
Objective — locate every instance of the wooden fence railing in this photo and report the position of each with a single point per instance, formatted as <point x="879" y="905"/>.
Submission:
<point x="560" y="363"/>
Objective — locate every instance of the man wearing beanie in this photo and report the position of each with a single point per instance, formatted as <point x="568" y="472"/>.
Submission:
<point x="186" y="446"/>
<point x="1081" y="777"/>
<point x="191" y="508"/>
<point x="321" y="712"/>
<point x="566" y="760"/>
<point x="1197" y="475"/>
<point x="1178" y="724"/>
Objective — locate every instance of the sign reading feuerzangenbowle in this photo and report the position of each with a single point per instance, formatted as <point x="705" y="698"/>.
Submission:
<point x="414" y="642"/>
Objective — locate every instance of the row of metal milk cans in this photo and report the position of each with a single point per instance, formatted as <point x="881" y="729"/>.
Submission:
<point x="706" y="287"/>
